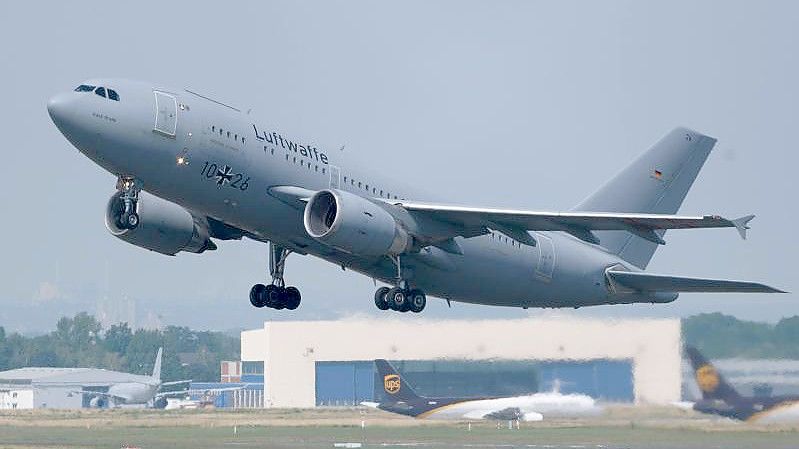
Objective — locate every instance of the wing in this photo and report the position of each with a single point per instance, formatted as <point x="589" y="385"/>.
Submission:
<point x="437" y="224"/>
<point x="665" y="283"/>
<point x="471" y="221"/>
<point x="176" y="382"/>
<point x="99" y="393"/>
<point x="505" y="414"/>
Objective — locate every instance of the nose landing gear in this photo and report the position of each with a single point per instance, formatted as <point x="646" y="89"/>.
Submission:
<point x="276" y="295"/>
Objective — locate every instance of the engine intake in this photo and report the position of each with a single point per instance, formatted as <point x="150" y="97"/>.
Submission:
<point x="354" y="224"/>
<point x="164" y="227"/>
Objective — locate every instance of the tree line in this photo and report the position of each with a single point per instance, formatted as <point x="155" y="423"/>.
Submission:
<point x="723" y="336"/>
<point x="81" y="341"/>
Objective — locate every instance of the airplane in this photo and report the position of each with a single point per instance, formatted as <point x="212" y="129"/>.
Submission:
<point x="143" y="391"/>
<point x="402" y="399"/>
<point x="720" y="398"/>
<point x="192" y="170"/>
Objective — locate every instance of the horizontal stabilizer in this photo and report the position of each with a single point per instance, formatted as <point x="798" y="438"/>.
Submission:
<point x="665" y="283"/>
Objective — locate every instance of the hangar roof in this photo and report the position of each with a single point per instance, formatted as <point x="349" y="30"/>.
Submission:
<point x="67" y="376"/>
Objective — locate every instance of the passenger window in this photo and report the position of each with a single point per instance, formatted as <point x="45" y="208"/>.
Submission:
<point x="236" y="137"/>
<point x="100" y="91"/>
<point x="84" y="88"/>
<point x="228" y="134"/>
<point x="242" y="139"/>
<point x="112" y="94"/>
<point x="213" y="129"/>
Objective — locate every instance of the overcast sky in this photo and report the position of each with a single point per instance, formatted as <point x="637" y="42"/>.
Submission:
<point x="522" y="104"/>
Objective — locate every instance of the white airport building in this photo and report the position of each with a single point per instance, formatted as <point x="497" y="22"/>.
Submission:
<point x="313" y="363"/>
<point x="58" y="388"/>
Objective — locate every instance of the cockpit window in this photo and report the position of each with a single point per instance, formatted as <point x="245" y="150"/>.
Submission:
<point x="112" y="94"/>
<point x="100" y="91"/>
<point x="84" y="88"/>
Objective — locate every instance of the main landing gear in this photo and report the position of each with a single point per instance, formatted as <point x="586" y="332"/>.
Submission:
<point x="129" y="189"/>
<point x="276" y="295"/>
<point x="400" y="298"/>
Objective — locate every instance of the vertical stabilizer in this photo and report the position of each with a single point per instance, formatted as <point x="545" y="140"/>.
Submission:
<point x="395" y="388"/>
<point x="711" y="383"/>
<point x="157" y="365"/>
<point x="656" y="182"/>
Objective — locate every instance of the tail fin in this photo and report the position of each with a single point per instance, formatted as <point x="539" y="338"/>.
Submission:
<point x="394" y="386"/>
<point x="709" y="380"/>
<point x="656" y="182"/>
<point x="157" y="366"/>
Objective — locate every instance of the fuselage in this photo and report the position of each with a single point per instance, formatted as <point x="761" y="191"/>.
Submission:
<point x="530" y="407"/>
<point x="219" y="162"/>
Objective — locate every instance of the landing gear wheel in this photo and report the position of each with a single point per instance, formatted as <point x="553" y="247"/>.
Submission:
<point x="291" y="298"/>
<point x="416" y="300"/>
<point x="397" y="299"/>
<point x="380" y="298"/>
<point x="257" y="295"/>
<point x="273" y="297"/>
<point x="132" y="221"/>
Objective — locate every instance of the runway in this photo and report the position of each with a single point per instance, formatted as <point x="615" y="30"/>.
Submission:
<point x="622" y="427"/>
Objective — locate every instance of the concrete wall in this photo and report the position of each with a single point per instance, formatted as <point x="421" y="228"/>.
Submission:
<point x="291" y="348"/>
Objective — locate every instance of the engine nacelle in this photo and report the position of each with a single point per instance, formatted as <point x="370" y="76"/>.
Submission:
<point x="164" y="227"/>
<point x="354" y="224"/>
<point x="98" y="402"/>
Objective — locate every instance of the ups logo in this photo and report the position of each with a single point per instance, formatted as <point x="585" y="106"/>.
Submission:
<point x="707" y="378"/>
<point x="391" y="383"/>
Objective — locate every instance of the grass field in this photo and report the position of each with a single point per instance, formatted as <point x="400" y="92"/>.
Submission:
<point x="320" y="428"/>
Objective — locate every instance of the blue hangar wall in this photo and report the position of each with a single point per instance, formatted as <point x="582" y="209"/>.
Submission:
<point x="346" y="383"/>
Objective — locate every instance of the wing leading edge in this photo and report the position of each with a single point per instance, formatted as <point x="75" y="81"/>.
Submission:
<point x="648" y="282"/>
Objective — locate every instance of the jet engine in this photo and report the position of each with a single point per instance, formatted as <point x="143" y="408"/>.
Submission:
<point x="354" y="224"/>
<point x="163" y="227"/>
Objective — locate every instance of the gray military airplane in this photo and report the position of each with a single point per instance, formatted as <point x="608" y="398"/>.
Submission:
<point x="192" y="169"/>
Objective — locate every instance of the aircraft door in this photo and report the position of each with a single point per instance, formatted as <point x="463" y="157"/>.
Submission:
<point x="546" y="257"/>
<point x="166" y="114"/>
<point x="335" y="174"/>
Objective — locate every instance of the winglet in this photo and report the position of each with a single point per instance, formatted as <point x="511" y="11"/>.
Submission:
<point x="742" y="224"/>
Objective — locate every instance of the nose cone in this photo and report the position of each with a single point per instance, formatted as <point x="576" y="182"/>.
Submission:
<point x="58" y="108"/>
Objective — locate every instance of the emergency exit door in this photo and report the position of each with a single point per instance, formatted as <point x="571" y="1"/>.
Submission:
<point x="166" y="114"/>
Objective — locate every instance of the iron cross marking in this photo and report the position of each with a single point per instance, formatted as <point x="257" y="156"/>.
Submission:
<point x="223" y="175"/>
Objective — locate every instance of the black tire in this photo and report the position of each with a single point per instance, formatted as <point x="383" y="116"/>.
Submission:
<point x="397" y="299"/>
<point x="273" y="297"/>
<point x="292" y="298"/>
<point x="132" y="221"/>
<point x="416" y="300"/>
<point x="257" y="295"/>
<point x="380" y="298"/>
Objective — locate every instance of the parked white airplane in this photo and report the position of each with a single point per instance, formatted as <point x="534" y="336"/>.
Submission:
<point x="146" y="390"/>
<point x="403" y="399"/>
<point x="213" y="172"/>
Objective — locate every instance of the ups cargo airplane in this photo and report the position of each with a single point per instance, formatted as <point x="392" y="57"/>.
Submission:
<point x="192" y="170"/>
<point x="399" y="397"/>
<point x="720" y="398"/>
